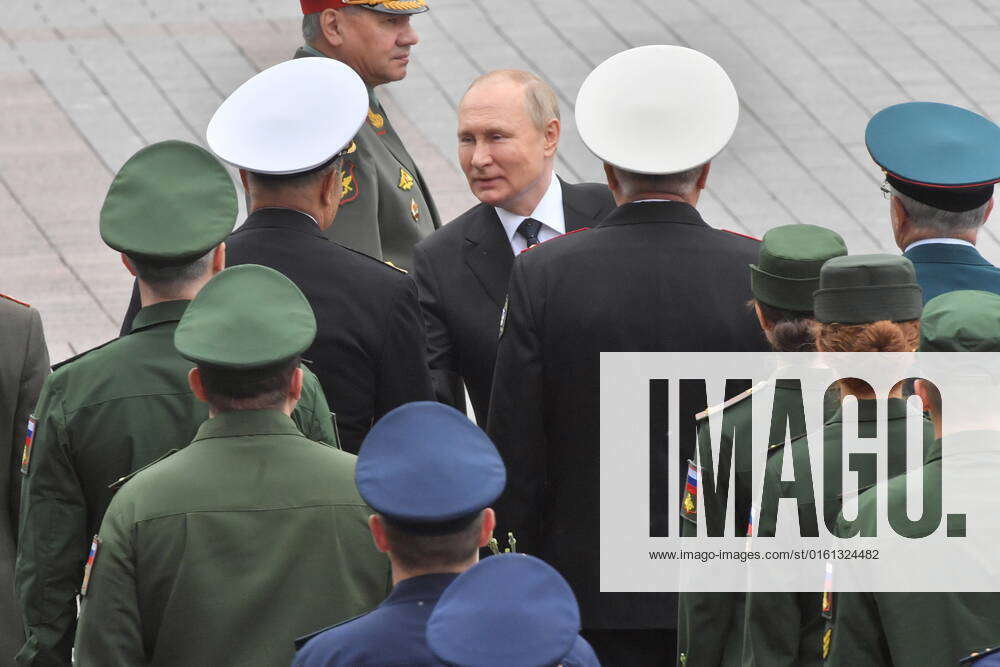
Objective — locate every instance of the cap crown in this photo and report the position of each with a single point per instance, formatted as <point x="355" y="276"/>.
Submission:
<point x="246" y="317"/>
<point x="858" y="289"/>
<point x="787" y="271"/>
<point x="962" y="321"/>
<point x="170" y="203"/>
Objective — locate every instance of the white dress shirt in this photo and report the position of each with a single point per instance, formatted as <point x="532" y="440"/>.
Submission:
<point x="549" y="212"/>
<point x="945" y="241"/>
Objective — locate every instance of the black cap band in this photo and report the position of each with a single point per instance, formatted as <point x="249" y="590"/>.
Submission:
<point x="954" y="199"/>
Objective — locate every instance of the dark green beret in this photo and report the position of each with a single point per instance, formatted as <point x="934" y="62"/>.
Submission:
<point x="170" y="203"/>
<point x="787" y="271"/>
<point x="246" y="317"/>
<point x="860" y="289"/>
<point x="963" y="321"/>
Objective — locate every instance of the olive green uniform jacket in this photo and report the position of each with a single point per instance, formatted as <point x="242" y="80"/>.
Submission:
<point x="24" y="363"/>
<point x="385" y="205"/>
<point x="225" y="552"/>
<point x="710" y="630"/>
<point x="786" y="629"/>
<point x="101" y="416"/>
<point x="875" y="629"/>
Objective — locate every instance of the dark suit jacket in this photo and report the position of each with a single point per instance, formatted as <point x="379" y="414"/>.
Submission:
<point x="370" y="348"/>
<point x="462" y="271"/>
<point x="650" y="277"/>
<point x="945" y="267"/>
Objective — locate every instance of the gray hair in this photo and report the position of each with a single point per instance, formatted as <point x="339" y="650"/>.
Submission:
<point x="540" y="100"/>
<point x="311" y="28"/>
<point x="940" y="222"/>
<point x="171" y="281"/>
<point x="682" y="184"/>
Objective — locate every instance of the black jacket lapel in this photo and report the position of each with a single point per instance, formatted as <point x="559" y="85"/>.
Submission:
<point x="488" y="254"/>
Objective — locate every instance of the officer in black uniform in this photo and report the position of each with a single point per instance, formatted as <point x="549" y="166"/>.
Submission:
<point x="430" y="474"/>
<point x="653" y="276"/>
<point x="370" y="348"/>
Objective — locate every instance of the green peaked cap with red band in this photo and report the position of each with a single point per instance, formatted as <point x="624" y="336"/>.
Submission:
<point x="387" y="6"/>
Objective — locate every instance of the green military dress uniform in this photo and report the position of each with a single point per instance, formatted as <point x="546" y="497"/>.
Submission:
<point x="252" y="535"/>
<point x="386" y="206"/>
<point x="114" y="409"/>
<point x="791" y="628"/>
<point x="930" y="628"/>
<point x="710" y="627"/>
<point x="22" y="371"/>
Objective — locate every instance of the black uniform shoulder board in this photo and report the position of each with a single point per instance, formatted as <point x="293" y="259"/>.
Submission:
<point x="746" y="236"/>
<point x="66" y="362"/>
<point x="118" y="484"/>
<point x="305" y="639"/>
<point x="17" y="301"/>
<point x="387" y="264"/>
<point x="978" y="655"/>
<point x="711" y="410"/>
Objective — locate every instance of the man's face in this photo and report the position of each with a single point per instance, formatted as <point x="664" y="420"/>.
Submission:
<point x="375" y="44"/>
<point x="505" y="157"/>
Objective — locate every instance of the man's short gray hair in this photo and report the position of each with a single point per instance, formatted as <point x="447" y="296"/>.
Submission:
<point x="539" y="98"/>
<point x="681" y="184"/>
<point x="311" y="28"/>
<point x="940" y="222"/>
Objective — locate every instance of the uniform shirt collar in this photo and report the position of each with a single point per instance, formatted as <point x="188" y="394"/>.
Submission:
<point x="423" y="587"/>
<point x="247" y="422"/>
<point x="943" y="241"/>
<point x="284" y="208"/>
<point x="549" y="212"/>
<point x="158" y="313"/>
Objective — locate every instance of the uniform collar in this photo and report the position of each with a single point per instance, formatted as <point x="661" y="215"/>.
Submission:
<point x="945" y="253"/>
<point x="159" y="313"/>
<point x="940" y="241"/>
<point x="424" y="587"/>
<point x="895" y="409"/>
<point x="549" y="211"/>
<point x="654" y="211"/>
<point x="247" y="422"/>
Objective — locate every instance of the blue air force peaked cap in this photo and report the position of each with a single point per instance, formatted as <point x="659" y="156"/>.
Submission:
<point x="942" y="155"/>
<point x="427" y="468"/>
<point x="511" y="609"/>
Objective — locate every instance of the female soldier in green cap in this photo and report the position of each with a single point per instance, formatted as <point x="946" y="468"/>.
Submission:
<point x="252" y="535"/>
<point x="710" y="628"/>
<point x="865" y="303"/>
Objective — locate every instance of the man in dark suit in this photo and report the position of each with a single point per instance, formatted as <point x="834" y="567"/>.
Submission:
<point x="370" y="347"/>
<point x="941" y="163"/>
<point x="653" y="276"/>
<point x="462" y="269"/>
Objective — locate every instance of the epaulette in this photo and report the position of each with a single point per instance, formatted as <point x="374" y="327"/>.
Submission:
<point x="975" y="656"/>
<point x="387" y="264"/>
<point x="64" y="362"/>
<point x="114" y="486"/>
<point x="305" y="639"/>
<point x="711" y="410"/>
<point x="17" y="301"/>
<point x="575" y="231"/>
<point x="746" y="236"/>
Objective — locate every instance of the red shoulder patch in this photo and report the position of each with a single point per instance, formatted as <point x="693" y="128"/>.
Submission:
<point x="746" y="236"/>
<point x="10" y="298"/>
<point x="582" y="229"/>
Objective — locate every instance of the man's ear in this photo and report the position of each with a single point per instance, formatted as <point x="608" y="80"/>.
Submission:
<point x="552" y="132"/>
<point x="295" y="386"/>
<point x="219" y="258"/>
<point x="489" y="524"/>
<point x="377" y="529"/>
<point x="899" y="212"/>
<point x="703" y="177"/>
<point x="989" y="209"/>
<point x="332" y="188"/>
<point x="760" y="315"/>
<point x="331" y="26"/>
<point x="194" y="381"/>
<point x="127" y="263"/>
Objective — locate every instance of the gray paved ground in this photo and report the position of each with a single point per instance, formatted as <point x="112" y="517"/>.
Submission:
<point x="85" y="83"/>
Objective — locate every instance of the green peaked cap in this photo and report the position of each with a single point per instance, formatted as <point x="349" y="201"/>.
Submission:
<point x="170" y="203"/>
<point x="787" y="270"/>
<point x="962" y="321"/>
<point x="246" y="317"/>
<point x="860" y="289"/>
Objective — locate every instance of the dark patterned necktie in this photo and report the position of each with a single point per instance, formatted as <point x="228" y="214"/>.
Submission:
<point x="529" y="229"/>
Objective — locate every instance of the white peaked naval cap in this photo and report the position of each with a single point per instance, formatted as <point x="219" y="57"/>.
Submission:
<point x="290" y="118"/>
<point x="657" y="109"/>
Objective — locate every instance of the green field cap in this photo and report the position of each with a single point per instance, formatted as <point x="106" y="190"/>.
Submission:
<point x="860" y="289"/>
<point x="787" y="271"/>
<point x="246" y="317"/>
<point x="170" y="203"/>
<point x="962" y="321"/>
